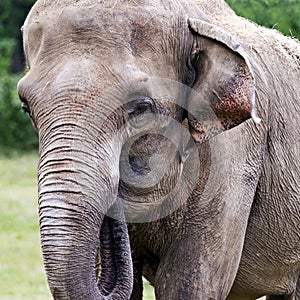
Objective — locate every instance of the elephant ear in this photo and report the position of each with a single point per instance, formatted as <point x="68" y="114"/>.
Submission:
<point x="224" y="88"/>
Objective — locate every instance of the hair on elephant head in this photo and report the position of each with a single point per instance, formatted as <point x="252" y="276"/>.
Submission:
<point x="109" y="87"/>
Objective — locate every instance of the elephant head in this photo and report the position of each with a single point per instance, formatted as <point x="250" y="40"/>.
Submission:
<point x="97" y="75"/>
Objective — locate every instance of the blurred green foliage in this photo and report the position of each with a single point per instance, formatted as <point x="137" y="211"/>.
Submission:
<point x="16" y="131"/>
<point x="282" y="15"/>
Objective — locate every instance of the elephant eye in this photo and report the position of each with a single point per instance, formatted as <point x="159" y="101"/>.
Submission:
<point x="25" y="108"/>
<point x="139" y="109"/>
<point x="139" y="106"/>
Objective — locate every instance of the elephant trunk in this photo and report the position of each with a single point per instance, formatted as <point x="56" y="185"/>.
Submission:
<point x="73" y="224"/>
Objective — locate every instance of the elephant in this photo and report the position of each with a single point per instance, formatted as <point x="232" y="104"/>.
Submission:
<point x="169" y="149"/>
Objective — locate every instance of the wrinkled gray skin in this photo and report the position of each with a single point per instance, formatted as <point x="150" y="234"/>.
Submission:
<point x="237" y="234"/>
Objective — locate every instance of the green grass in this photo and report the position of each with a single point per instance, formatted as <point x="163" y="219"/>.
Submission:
<point x="21" y="269"/>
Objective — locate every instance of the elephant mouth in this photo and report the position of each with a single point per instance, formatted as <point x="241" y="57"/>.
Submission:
<point x="113" y="261"/>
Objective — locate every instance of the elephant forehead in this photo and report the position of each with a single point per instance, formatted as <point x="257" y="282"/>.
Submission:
<point x="112" y="4"/>
<point x="101" y="21"/>
<point x="116" y="22"/>
<point x="100" y="28"/>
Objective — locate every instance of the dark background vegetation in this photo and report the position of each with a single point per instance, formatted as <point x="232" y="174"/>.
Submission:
<point x="16" y="132"/>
